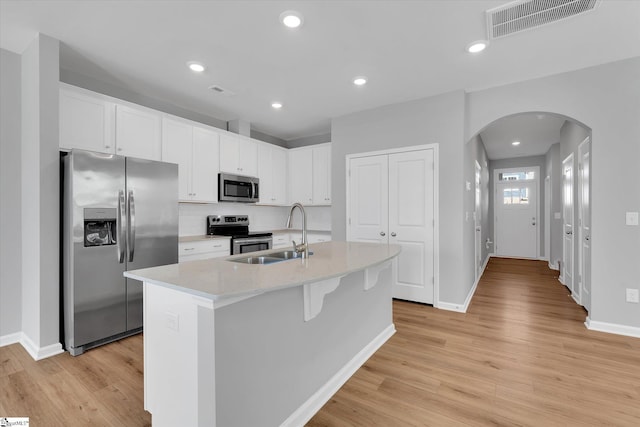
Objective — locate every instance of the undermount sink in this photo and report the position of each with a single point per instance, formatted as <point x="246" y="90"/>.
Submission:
<point x="270" y="258"/>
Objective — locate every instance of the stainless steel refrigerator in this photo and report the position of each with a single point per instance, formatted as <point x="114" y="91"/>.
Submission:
<point x="119" y="213"/>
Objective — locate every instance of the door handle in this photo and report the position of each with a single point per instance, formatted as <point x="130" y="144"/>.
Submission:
<point x="569" y="232"/>
<point x="119" y="229"/>
<point x="533" y="223"/>
<point x="131" y="235"/>
<point x="586" y="238"/>
<point x="393" y="234"/>
<point x="382" y="233"/>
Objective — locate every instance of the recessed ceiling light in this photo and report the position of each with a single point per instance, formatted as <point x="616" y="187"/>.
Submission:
<point x="277" y="105"/>
<point x="195" y="66"/>
<point x="291" y="19"/>
<point x="477" y="46"/>
<point x="360" y="80"/>
<point x="515" y="143"/>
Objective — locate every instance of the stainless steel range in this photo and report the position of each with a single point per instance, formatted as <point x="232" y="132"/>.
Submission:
<point x="237" y="226"/>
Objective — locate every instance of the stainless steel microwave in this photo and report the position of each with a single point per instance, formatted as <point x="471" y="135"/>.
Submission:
<point x="238" y="188"/>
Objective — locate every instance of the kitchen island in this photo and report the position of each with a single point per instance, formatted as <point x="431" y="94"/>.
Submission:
<point x="233" y="344"/>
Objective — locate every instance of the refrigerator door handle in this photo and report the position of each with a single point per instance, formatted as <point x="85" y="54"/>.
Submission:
<point x="119" y="228"/>
<point x="131" y="223"/>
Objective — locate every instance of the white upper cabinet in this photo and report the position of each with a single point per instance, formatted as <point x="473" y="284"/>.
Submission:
<point x="96" y="122"/>
<point x="86" y="121"/>
<point x="272" y="171"/>
<point x="310" y="175"/>
<point x="238" y="155"/>
<point x="195" y="150"/>
<point x="138" y="132"/>
<point x="322" y="175"/>
<point x="301" y="176"/>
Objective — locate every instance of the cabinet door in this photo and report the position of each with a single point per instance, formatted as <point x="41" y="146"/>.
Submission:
<point x="248" y="158"/>
<point x="411" y="216"/>
<point x="279" y="180"/>
<point x="300" y="176"/>
<point x="265" y="173"/>
<point x="205" y="166"/>
<point x="368" y="198"/>
<point x="229" y="150"/>
<point x="86" y="122"/>
<point x="177" y="148"/>
<point x="138" y="133"/>
<point x="322" y="175"/>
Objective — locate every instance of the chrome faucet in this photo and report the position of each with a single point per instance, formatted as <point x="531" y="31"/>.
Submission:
<point x="302" y="247"/>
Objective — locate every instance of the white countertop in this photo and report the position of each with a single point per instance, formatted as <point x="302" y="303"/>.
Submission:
<point x="219" y="278"/>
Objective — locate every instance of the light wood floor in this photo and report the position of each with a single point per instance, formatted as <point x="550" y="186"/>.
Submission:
<point x="520" y="356"/>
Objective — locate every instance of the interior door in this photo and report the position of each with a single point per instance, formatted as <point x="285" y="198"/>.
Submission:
<point x="584" y="152"/>
<point x="516" y="219"/>
<point x="368" y="199"/>
<point x="567" y="223"/>
<point x="411" y="223"/>
<point x="478" y="220"/>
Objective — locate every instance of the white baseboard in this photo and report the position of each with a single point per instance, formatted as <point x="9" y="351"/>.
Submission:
<point x="561" y="279"/>
<point x="309" y="408"/>
<point x="10" y="339"/>
<point x="612" y="328"/>
<point x="462" y="308"/>
<point x="37" y="353"/>
<point x="553" y="267"/>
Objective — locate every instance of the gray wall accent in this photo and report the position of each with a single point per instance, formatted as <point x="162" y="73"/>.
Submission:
<point x="554" y="172"/>
<point x="268" y="138"/>
<point x="10" y="207"/>
<point x="90" y="83"/>
<point x="519" y="162"/>
<point x="40" y="192"/>
<point x="434" y="120"/>
<point x="309" y="140"/>
<point x="266" y="354"/>
<point x="474" y="150"/>
<point x="605" y="98"/>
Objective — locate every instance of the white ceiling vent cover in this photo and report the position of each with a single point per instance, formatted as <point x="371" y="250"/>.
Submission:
<point x="524" y="15"/>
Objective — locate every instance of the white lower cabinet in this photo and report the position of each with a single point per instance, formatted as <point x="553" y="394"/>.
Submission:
<point x="203" y="249"/>
<point x="318" y="238"/>
<point x="281" y="240"/>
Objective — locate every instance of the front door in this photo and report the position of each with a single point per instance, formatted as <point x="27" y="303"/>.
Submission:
<point x="584" y="153"/>
<point x="567" y="224"/>
<point x="516" y="219"/>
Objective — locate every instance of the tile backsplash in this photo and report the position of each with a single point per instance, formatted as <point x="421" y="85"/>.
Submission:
<point x="193" y="216"/>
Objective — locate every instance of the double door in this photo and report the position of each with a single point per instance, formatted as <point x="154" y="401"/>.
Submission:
<point x="391" y="199"/>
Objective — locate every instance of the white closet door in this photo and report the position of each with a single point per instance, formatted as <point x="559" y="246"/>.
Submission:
<point x="368" y="199"/>
<point x="411" y="223"/>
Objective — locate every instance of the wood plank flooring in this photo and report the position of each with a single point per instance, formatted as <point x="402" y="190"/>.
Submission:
<point x="520" y="356"/>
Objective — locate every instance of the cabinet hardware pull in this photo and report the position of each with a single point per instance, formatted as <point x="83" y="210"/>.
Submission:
<point x="382" y="233"/>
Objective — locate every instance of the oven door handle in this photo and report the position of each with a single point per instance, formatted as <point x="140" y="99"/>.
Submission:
<point x="253" y="240"/>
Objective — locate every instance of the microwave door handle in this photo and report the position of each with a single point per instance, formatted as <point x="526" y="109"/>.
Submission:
<point x="120" y="219"/>
<point x="131" y="235"/>
<point x="253" y="190"/>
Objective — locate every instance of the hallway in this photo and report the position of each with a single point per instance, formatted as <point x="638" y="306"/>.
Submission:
<point x="521" y="355"/>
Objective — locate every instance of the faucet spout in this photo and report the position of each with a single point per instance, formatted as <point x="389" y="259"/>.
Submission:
<point x="302" y="247"/>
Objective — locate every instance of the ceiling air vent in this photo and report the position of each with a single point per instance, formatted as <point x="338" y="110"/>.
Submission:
<point x="220" y="90"/>
<point x="524" y="15"/>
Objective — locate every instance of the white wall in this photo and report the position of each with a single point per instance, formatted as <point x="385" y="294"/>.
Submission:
<point x="605" y="98"/>
<point x="435" y="120"/>
<point x="10" y="203"/>
<point x="40" y="168"/>
<point x="193" y="217"/>
<point x="554" y="172"/>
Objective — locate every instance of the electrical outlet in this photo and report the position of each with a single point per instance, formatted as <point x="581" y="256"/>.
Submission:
<point x="633" y="295"/>
<point x="632" y="218"/>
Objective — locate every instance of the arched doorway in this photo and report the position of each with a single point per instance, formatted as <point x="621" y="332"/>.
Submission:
<point x="525" y="209"/>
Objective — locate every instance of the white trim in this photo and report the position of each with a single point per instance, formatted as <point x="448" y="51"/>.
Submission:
<point x="312" y="405"/>
<point x="10" y="339"/>
<point x="464" y="307"/>
<point x="543" y="258"/>
<point x="37" y="353"/>
<point x="612" y="328"/>
<point x="553" y="267"/>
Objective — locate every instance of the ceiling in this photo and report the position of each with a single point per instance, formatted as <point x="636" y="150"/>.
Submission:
<point x="536" y="132"/>
<point x="407" y="49"/>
